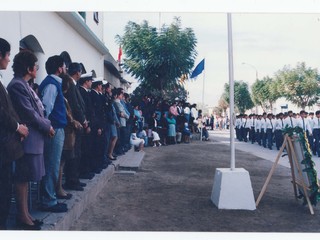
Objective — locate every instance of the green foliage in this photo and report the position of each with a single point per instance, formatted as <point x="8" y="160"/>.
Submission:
<point x="300" y="85"/>
<point x="158" y="58"/>
<point x="265" y="93"/>
<point x="242" y="98"/>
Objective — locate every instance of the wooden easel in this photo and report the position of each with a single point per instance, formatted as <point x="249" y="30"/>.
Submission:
<point x="296" y="180"/>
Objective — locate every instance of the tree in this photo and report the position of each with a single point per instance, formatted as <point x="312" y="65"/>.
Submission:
<point x="300" y="85"/>
<point x="265" y="93"/>
<point x="242" y="98"/>
<point x="158" y="58"/>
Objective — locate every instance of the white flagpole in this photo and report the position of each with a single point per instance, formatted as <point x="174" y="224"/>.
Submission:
<point x="231" y="92"/>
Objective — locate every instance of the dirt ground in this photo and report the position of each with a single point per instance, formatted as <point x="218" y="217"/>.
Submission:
<point x="171" y="192"/>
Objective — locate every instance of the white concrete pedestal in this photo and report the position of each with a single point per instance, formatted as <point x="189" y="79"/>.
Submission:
<point x="232" y="189"/>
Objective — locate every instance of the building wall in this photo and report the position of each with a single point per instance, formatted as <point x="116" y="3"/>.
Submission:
<point x="54" y="36"/>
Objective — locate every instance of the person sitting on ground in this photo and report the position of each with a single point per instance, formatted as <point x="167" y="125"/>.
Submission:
<point x="143" y="135"/>
<point x="138" y="143"/>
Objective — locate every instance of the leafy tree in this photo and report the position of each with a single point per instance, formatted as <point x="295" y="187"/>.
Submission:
<point x="242" y="98"/>
<point x="300" y="85"/>
<point x="158" y="58"/>
<point x="265" y="93"/>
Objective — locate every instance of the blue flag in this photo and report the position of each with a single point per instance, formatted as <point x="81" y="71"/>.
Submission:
<point x="198" y="70"/>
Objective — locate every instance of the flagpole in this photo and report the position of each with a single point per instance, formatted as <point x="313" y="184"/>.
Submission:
<point x="231" y="92"/>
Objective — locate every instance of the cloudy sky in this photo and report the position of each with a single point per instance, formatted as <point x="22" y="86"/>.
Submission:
<point x="263" y="44"/>
<point x="267" y="34"/>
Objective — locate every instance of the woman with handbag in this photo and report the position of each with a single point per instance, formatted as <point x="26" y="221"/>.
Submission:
<point x="30" y="110"/>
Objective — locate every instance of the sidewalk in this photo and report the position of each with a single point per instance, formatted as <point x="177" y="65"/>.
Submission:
<point x="82" y="199"/>
<point x="223" y="136"/>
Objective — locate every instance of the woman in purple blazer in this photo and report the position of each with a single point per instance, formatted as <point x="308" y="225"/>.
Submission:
<point x="30" y="110"/>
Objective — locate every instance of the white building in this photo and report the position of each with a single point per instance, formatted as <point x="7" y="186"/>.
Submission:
<point x="76" y="35"/>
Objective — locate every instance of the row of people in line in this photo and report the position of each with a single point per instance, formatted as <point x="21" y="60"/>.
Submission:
<point x="266" y="129"/>
<point x="68" y="126"/>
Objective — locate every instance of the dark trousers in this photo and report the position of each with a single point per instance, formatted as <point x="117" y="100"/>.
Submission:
<point x="72" y="165"/>
<point x="258" y="136"/>
<point x="97" y="150"/>
<point x="244" y="134"/>
<point x="263" y="138"/>
<point x="86" y="143"/>
<point x="279" y="138"/>
<point x="238" y="134"/>
<point x="316" y="136"/>
<point x="252" y="135"/>
<point x="5" y="193"/>
<point x="269" y="137"/>
<point x="310" y="140"/>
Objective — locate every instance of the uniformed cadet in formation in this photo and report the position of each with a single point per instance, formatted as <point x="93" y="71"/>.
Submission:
<point x="267" y="129"/>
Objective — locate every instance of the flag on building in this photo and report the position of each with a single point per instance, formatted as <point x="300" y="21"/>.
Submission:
<point x="198" y="70"/>
<point x="119" y="54"/>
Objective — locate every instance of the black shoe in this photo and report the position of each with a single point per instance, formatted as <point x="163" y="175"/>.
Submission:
<point x="25" y="226"/>
<point x="82" y="184"/>
<point x="98" y="170"/>
<point x="104" y="166"/>
<point x="88" y="175"/>
<point x="67" y="197"/>
<point x="75" y="187"/>
<point x="58" y="208"/>
<point x="38" y="222"/>
<point x="112" y="158"/>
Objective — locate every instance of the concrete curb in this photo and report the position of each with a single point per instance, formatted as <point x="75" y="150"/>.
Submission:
<point x="81" y="200"/>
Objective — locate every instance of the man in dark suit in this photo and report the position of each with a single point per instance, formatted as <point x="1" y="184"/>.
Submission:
<point x="98" y="126"/>
<point x="78" y="112"/>
<point x="85" y="83"/>
<point x="9" y="123"/>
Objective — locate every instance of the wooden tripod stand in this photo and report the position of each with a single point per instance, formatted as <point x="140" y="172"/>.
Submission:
<point x="298" y="180"/>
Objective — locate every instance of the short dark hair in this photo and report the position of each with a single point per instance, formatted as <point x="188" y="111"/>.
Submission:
<point x="53" y="64"/>
<point x="22" y="62"/>
<point x="74" y="68"/>
<point x="4" y="47"/>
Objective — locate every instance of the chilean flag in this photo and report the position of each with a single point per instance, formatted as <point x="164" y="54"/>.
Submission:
<point x="119" y="54"/>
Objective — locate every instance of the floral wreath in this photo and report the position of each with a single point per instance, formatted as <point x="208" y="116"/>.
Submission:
<point x="308" y="163"/>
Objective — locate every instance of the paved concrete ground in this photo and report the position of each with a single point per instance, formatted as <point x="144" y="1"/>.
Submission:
<point x="171" y="192"/>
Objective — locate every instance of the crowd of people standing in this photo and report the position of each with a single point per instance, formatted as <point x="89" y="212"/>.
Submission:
<point x="71" y="127"/>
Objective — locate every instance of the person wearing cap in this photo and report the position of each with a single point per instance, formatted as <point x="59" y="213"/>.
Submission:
<point x="50" y="91"/>
<point x="85" y="83"/>
<point x="97" y="126"/>
<point x="77" y="106"/>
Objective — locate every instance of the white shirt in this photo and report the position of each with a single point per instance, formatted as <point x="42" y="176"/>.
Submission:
<point x="279" y="124"/>
<point x="304" y="124"/>
<point x="290" y="121"/>
<point x="264" y="124"/>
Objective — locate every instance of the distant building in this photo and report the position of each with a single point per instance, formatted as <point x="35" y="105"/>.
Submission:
<point x="77" y="36"/>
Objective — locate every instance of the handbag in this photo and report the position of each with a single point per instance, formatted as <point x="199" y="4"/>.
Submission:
<point x="12" y="148"/>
